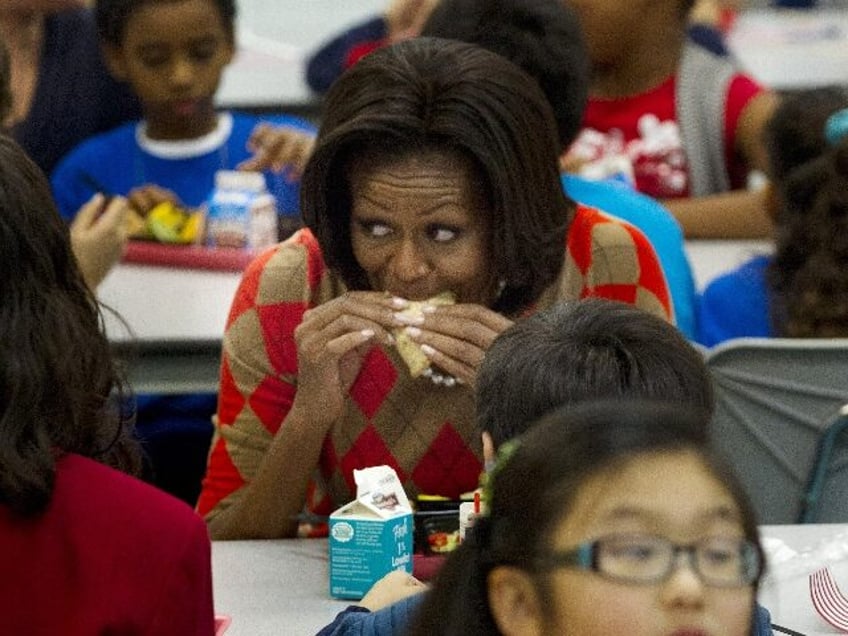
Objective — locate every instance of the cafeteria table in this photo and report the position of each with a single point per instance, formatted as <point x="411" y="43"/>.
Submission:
<point x="280" y="588"/>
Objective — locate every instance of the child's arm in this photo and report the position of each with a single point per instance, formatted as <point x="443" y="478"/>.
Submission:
<point x="739" y="214"/>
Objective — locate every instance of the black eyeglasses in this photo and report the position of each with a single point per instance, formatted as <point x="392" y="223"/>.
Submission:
<point x="644" y="559"/>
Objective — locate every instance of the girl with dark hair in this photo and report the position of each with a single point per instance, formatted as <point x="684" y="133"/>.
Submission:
<point x="802" y="290"/>
<point x="435" y="170"/>
<point x="606" y="518"/>
<point x="83" y="545"/>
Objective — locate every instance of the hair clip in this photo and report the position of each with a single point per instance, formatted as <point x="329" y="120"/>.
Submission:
<point x="506" y="450"/>
<point x="836" y="127"/>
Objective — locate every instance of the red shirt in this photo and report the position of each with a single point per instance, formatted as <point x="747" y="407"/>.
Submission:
<point x="109" y="555"/>
<point x="643" y="129"/>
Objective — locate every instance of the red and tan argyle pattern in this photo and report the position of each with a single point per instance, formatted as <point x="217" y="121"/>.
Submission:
<point x="425" y="432"/>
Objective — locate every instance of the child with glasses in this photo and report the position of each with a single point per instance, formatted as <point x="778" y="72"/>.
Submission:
<point x="605" y="518"/>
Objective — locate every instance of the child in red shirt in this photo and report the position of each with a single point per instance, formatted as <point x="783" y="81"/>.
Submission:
<point x="687" y="121"/>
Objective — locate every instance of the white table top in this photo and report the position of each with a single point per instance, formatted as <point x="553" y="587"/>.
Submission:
<point x="794" y="553"/>
<point x="273" y="588"/>
<point x="162" y="303"/>
<point x="281" y="587"/>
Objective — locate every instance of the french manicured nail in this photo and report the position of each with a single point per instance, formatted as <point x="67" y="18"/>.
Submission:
<point x="367" y="333"/>
<point x="399" y="303"/>
<point x="428" y="309"/>
<point x="427" y="350"/>
<point x="406" y="319"/>
<point x="413" y="332"/>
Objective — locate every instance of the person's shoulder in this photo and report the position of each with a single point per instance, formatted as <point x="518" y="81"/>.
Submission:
<point x="106" y="144"/>
<point x="289" y="271"/>
<point x="748" y="277"/>
<point x="104" y="502"/>
<point x="119" y="494"/>
<point x="621" y="201"/>
<point x="735" y="304"/>
<point x="298" y="252"/>
<point x="604" y="230"/>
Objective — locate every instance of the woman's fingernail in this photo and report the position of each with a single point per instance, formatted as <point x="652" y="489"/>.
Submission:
<point x="406" y="319"/>
<point x="399" y="303"/>
<point x="428" y="309"/>
<point x="413" y="332"/>
<point x="367" y="333"/>
<point x="427" y="350"/>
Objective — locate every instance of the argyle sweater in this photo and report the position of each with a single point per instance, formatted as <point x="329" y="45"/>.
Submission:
<point x="425" y="432"/>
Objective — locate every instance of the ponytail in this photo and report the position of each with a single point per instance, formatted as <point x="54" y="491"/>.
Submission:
<point x="458" y="604"/>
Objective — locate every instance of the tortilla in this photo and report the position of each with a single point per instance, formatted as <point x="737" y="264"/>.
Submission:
<point x="409" y="350"/>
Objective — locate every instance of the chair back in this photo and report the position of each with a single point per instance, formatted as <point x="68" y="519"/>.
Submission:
<point x="774" y="397"/>
<point x="826" y="496"/>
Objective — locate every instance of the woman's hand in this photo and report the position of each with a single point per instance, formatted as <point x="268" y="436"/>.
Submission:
<point x="99" y="235"/>
<point x="332" y="341"/>
<point x="279" y="148"/>
<point x="456" y="337"/>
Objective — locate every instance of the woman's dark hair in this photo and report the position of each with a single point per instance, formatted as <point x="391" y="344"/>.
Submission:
<point x="808" y="277"/>
<point x="585" y="350"/>
<point x="59" y="390"/>
<point x="5" y="84"/>
<point x="544" y="38"/>
<point x="533" y="490"/>
<point x="428" y="94"/>
<point x="112" y="16"/>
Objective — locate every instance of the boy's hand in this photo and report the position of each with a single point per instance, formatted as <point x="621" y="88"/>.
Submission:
<point x="99" y="236"/>
<point x="145" y="198"/>
<point x="393" y="587"/>
<point x="279" y="148"/>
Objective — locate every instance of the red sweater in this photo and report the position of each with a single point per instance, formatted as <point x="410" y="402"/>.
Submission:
<point x="425" y="432"/>
<point x="110" y="555"/>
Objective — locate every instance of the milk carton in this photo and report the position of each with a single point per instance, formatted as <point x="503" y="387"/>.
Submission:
<point x="241" y="212"/>
<point x="371" y="535"/>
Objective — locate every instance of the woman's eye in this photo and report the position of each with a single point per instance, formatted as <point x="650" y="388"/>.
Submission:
<point x="441" y="234"/>
<point x="375" y="230"/>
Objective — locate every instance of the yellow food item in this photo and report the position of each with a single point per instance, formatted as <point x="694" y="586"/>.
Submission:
<point x="171" y="224"/>
<point x="409" y="350"/>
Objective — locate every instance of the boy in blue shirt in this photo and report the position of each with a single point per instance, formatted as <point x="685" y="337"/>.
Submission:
<point x="172" y="54"/>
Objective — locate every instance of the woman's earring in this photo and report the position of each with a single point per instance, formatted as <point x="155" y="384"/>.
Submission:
<point x="500" y="288"/>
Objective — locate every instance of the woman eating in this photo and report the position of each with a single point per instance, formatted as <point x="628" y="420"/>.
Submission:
<point x="434" y="174"/>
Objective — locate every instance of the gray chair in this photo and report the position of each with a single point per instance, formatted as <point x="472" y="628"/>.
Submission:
<point x="774" y="397"/>
<point x="826" y="497"/>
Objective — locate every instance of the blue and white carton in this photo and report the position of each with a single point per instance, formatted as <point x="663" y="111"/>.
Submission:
<point x="370" y="536"/>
